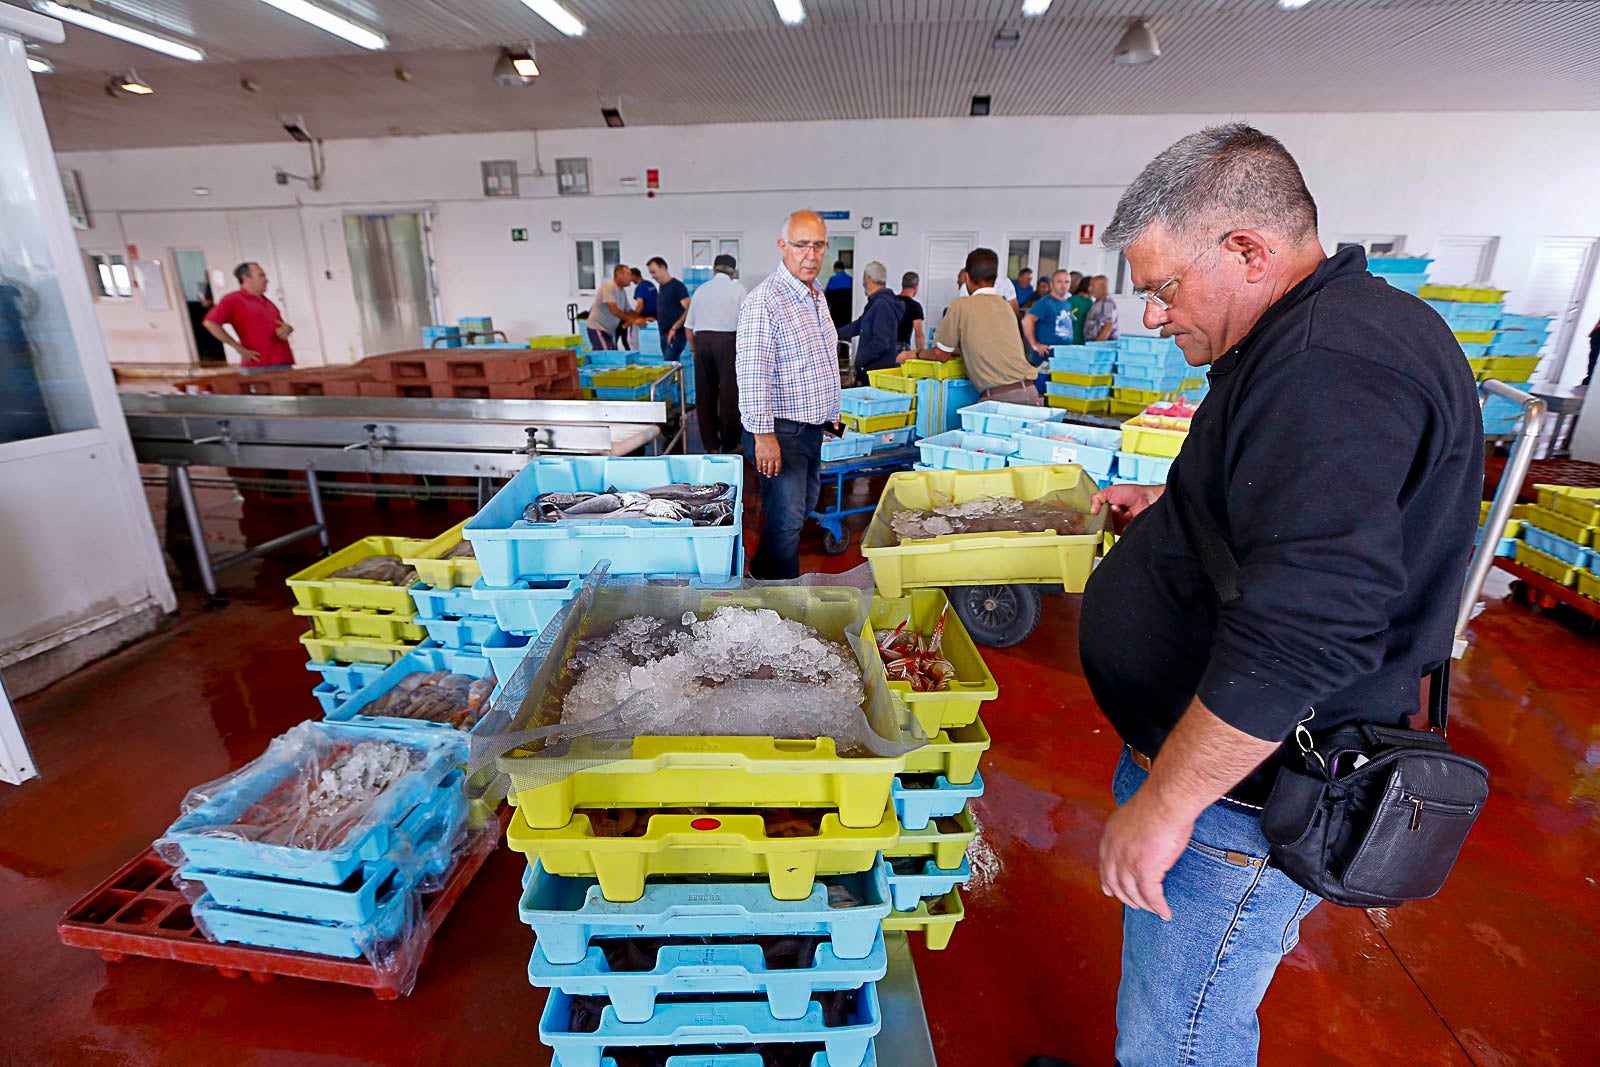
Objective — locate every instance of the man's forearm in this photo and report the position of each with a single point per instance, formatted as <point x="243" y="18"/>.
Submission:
<point x="1201" y="759"/>
<point x="222" y="335"/>
<point x="1028" y="322"/>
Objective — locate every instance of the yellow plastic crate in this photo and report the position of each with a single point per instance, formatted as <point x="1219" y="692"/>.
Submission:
<point x="954" y="753"/>
<point x="555" y="340"/>
<point x="315" y="587"/>
<point x="1145" y="397"/>
<point x="946" y="847"/>
<point x="1579" y="533"/>
<point x="1573" y="502"/>
<point x="733" y="846"/>
<point x="460" y="572"/>
<point x="894" y="379"/>
<point x="1479" y="365"/>
<point x="1092" y="381"/>
<point x="1151" y="440"/>
<point x="353" y="650"/>
<point x="1465" y="294"/>
<point x="1078" y="404"/>
<point x="973" y="684"/>
<point x="933" y="368"/>
<point x="1543" y="563"/>
<point x="339" y="623"/>
<point x="937" y="927"/>
<point x="1514" y="368"/>
<point x="1125" y="407"/>
<point x="880" y="423"/>
<point x="1588" y="585"/>
<point x="980" y="558"/>
<point x="728" y="772"/>
<point x="1476" y="337"/>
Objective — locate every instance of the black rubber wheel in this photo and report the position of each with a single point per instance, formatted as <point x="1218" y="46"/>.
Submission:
<point x="997" y="615"/>
<point x="833" y="544"/>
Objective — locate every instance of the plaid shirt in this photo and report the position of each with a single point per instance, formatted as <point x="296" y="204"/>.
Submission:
<point x="788" y="355"/>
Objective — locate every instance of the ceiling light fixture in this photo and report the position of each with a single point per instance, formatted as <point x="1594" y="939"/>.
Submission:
<point x="120" y="30"/>
<point x="790" y="12"/>
<point x="130" y="82"/>
<point x="1293" y="5"/>
<point x="980" y="105"/>
<point x="328" y="22"/>
<point x="1138" y="45"/>
<point x="1005" y="40"/>
<point x="613" y="117"/>
<point x="557" y="16"/>
<point x="516" y="66"/>
<point x="1035" y="8"/>
<point x="41" y="65"/>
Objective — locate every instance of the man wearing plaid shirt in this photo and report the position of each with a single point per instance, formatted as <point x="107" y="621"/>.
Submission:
<point x="788" y="372"/>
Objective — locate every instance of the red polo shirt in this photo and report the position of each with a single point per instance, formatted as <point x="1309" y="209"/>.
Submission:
<point x="255" y="319"/>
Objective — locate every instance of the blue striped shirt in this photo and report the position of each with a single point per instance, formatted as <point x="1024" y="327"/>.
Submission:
<point x="788" y="355"/>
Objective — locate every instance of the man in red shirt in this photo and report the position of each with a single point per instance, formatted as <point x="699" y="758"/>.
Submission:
<point x="263" y="342"/>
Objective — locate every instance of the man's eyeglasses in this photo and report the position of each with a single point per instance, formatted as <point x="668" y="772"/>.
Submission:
<point x="807" y="246"/>
<point x="1153" y="296"/>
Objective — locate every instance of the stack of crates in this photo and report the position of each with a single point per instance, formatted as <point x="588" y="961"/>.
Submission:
<point x="870" y="410"/>
<point x="1151" y="441"/>
<point x="1506" y="543"/>
<point x="1559" y="537"/>
<point x="986" y="439"/>
<point x="895" y="380"/>
<point x="694" y="277"/>
<point x="1094" y="448"/>
<point x="1081" y="378"/>
<point x="476" y="330"/>
<point x="1409" y="273"/>
<point x="1150" y="370"/>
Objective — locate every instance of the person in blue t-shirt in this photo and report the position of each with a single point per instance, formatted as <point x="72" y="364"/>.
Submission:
<point x="1024" y="282"/>
<point x="841" y="277"/>
<point x="1050" y="320"/>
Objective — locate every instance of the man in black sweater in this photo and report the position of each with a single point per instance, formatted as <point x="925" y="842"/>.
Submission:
<point x="1339" y="456"/>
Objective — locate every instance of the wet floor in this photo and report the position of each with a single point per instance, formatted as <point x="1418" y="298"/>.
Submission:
<point x="1500" y="969"/>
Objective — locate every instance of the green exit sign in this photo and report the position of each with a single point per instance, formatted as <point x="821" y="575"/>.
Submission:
<point x="888" y="229"/>
<point x="518" y="233"/>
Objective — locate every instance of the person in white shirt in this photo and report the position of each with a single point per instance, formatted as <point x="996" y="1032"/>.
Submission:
<point x="712" y="326"/>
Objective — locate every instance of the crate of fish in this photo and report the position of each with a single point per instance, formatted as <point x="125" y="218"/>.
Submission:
<point x="921" y="798"/>
<point x="1094" y="448"/>
<point x="853" y="445"/>
<point x="446" y="562"/>
<point x="953" y="752"/>
<point x="353" y="649"/>
<point x="1077" y="406"/>
<point x="340" y="940"/>
<point x="646" y="515"/>
<point x="1143" y="470"/>
<point x="999" y="419"/>
<point x="1146" y="436"/>
<point x="913" y="878"/>
<point x="367" y="574"/>
<point x="323" y="799"/>
<point x="935" y="918"/>
<point x="1568" y="552"/>
<point x="933" y="368"/>
<point x="634" y="972"/>
<point x="939" y="403"/>
<point x="931" y="662"/>
<point x="943" y="842"/>
<point x="865" y="401"/>
<point x="1020" y="524"/>
<point x="893" y="379"/>
<point x="527" y="607"/>
<point x="336" y="624"/>
<point x="958" y="450"/>
<point x="787" y="847"/>
<point x="433" y="687"/>
<point x="569" y="915"/>
<point x="885" y="440"/>
<point x="626" y="689"/>
<point x="426" y="839"/>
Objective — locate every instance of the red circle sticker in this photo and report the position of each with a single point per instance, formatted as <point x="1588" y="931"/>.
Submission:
<point x="706" y="824"/>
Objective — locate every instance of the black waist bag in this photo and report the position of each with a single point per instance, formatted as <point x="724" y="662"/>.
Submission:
<point x="1375" y="815"/>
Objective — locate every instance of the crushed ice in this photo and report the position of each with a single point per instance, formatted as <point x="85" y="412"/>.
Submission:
<point x="359" y="775"/>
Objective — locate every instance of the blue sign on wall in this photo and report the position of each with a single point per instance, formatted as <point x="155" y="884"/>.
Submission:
<point x="834" y="215"/>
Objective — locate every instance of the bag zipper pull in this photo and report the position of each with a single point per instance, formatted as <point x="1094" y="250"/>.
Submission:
<point x="1416" y="812"/>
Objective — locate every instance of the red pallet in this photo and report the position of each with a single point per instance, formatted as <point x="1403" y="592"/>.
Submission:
<point x="138" y="912"/>
<point x="504" y="366"/>
<point x="1546" y="593"/>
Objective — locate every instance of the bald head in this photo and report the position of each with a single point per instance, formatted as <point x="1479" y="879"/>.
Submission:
<point x="803" y="244"/>
<point x="807" y="218"/>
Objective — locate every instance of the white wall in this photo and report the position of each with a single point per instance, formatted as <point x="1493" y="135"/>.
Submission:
<point x="1520" y="176"/>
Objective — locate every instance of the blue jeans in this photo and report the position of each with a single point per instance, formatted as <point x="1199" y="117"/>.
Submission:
<point x="673" y="350"/>
<point x="787" y="499"/>
<point x="1190" y="987"/>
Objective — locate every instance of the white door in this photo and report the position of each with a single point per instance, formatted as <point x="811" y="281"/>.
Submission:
<point x="276" y="241"/>
<point x="1563" y="268"/>
<point x="944" y="257"/>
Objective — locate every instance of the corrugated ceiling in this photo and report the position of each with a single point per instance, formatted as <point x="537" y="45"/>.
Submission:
<point x="697" y="61"/>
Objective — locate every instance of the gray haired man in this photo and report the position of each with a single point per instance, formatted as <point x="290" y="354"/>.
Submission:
<point x="1345" y="589"/>
<point x="879" y="324"/>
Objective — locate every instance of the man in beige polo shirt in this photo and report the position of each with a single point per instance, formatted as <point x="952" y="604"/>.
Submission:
<point x="981" y="328"/>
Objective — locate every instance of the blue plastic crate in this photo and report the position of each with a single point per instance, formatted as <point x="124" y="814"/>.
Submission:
<point x="1473" y="351"/>
<point x="440" y="752"/>
<point x="1460" y="320"/>
<point x="1398" y="264"/>
<point x="999" y="419"/>
<point x="446" y="603"/>
<point x="1154" y="346"/>
<point x="885" y="440"/>
<point x="1447" y="308"/>
<point x="939" y="404"/>
<point x="1081" y="392"/>
<point x="1094" y="448"/>
<point x="619" y="392"/>
<point x="567" y="913"/>
<point x="1146" y="364"/>
<point x="441" y="337"/>
<point x="1145" y="470"/>
<point x="866" y="402"/>
<point x="743" y="1059"/>
<point x="510" y="549"/>
<point x="1539" y="324"/>
<point x="468" y="633"/>
<point x="918" y="807"/>
<point x="1169" y="380"/>
<point x="650" y="340"/>
<point x="931" y="881"/>
<point x="347" y="677"/>
<point x="957" y="450"/>
<point x="1567" y="552"/>
<point x="427" y="658"/>
<point x="527" y="607"/>
<point x="329" y="696"/>
<point x="852" y="445"/>
<point x="505" y="652"/>
<point x="704" y="969"/>
<point x="1081" y="359"/>
<point x="1514" y="344"/>
<point x="614" y="357"/>
<point x="344" y="941"/>
<point x="746" y="1021"/>
<point x="1409" y="283"/>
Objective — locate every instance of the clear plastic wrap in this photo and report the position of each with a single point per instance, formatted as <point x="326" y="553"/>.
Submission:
<point x="526" y="720"/>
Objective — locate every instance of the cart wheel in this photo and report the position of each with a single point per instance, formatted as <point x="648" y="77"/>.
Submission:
<point x="834" y="543"/>
<point x="997" y="615"/>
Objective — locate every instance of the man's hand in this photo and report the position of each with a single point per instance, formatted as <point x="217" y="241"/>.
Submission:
<point x="1140" y="844"/>
<point x="1125" y="502"/>
<point x="247" y="354"/>
<point x="769" y="458"/>
<point x="672" y="334"/>
<point x="900" y="360"/>
<point x="283" y="331"/>
<point x="1042" y="349"/>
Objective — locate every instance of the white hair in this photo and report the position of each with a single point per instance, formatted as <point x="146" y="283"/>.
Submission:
<point x="877" y="272"/>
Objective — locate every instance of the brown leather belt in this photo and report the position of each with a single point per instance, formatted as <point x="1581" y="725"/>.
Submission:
<point x="1007" y="388"/>
<point x="1145" y="763"/>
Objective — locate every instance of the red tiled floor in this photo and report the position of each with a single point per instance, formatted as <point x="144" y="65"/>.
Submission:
<point x="1500" y="969"/>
